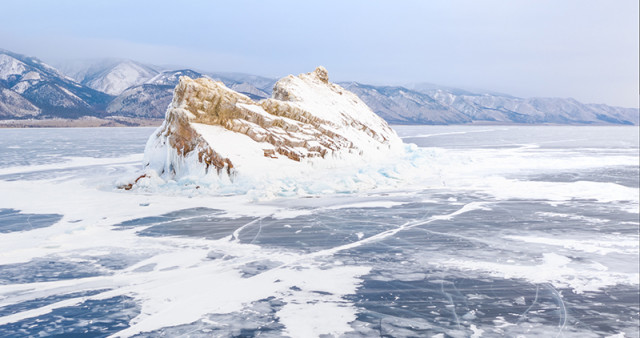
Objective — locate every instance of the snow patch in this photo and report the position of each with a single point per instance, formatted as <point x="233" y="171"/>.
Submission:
<point x="10" y="66"/>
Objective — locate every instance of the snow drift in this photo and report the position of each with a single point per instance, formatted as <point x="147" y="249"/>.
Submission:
<point x="210" y="129"/>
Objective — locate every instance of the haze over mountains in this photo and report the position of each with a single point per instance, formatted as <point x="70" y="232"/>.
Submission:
<point x="113" y="88"/>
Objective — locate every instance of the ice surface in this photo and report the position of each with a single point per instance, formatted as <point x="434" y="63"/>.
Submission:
<point x="452" y="239"/>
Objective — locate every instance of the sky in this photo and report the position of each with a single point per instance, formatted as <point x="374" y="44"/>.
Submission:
<point x="584" y="49"/>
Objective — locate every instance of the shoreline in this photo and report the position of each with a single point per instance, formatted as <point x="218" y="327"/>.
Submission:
<point x="83" y="122"/>
<point x="119" y="121"/>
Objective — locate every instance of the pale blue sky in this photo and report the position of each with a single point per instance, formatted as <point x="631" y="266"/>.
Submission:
<point x="584" y="49"/>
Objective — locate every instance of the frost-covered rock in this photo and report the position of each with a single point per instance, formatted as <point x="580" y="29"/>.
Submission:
<point x="210" y="128"/>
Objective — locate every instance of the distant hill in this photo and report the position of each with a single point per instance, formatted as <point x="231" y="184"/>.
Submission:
<point x="125" y="89"/>
<point x="151" y="98"/>
<point x="403" y="106"/>
<point x="445" y="105"/>
<point x="31" y="88"/>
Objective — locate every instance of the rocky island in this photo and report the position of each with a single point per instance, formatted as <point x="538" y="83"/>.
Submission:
<point x="211" y="129"/>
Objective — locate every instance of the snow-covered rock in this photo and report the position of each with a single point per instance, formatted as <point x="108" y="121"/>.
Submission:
<point x="309" y="121"/>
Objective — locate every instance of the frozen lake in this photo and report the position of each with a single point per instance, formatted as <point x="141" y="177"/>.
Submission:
<point x="481" y="231"/>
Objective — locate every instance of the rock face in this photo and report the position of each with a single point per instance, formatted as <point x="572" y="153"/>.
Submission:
<point x="308" y="119"/>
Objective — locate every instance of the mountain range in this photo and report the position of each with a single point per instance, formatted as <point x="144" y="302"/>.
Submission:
<point x="31" y="88"/>
<point x="113" y="88"/>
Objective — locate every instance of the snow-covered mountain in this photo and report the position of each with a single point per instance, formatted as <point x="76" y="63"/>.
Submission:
<point x="403" y="106"/>
<point x="31" y="88"/>
<point x="493" y="107"/>
<point x="151" y="98"/>
<point x="110" y="76"/>
<point x="145" y="101"/>
<point x="13" y="104"/>
<point x="256" y="87"/>
<point x="446" y="105"/>
<point x="309" y="121"/>
<point x="172" y="77"/>
<point x="119" y="77"/>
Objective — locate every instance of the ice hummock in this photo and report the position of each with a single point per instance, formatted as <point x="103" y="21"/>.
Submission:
<point x="213" y="131"/>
